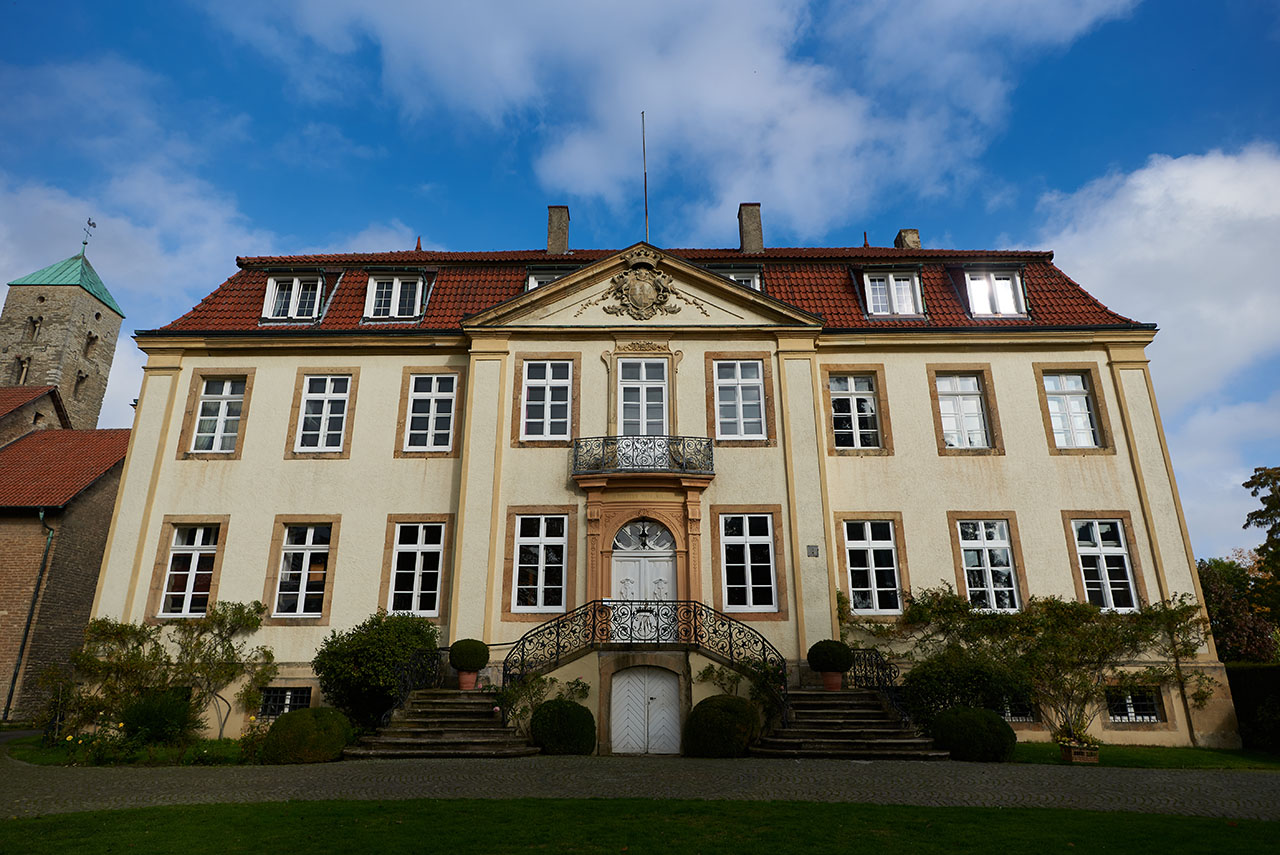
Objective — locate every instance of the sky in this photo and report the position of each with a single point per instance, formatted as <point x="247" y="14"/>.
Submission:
<point x="1138" y="140"/>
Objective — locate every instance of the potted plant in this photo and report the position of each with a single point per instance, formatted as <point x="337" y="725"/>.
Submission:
<point x="831" y="659"/>
<point x="468" y="656"/>
<point x="1080" y="748"/>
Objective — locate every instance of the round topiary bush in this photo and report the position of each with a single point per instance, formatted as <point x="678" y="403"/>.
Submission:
<point x="313" y="735"/>
<point x="562" y="726"/>
<point x="468" y="654"/>
<point x="720" y="726"/>
<point x="830" y="656"/>
<point x="974" y="734"/>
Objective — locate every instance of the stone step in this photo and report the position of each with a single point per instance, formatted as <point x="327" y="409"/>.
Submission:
<point x="828" y="743"/>
<point x="430" y="721"/>
<point x="822" y="693"/>
<point x="849" y="754"/>
<point x="436" y="740"/>
<point x="810" y="718"/>
<point x="876" y="729"/>
<point x="850" y="706"/>
<point x="516" y="750"/>
<point x="450" y="708"/>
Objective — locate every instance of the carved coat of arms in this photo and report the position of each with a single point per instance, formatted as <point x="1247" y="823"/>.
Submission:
<point x="642" y="291"/>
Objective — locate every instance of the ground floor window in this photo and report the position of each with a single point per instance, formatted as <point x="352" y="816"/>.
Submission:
<point x="1135" y="706"/>
<point x="278" y="700"/>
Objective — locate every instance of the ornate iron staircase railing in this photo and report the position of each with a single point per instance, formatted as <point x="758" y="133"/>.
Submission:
<point x="601" y="624"/>
<point x="871" y="670"/>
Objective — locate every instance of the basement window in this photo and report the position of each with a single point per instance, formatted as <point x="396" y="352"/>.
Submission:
<point x="277" y="700"/>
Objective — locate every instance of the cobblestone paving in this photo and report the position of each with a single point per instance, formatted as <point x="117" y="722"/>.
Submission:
<point x="30" y="790"/>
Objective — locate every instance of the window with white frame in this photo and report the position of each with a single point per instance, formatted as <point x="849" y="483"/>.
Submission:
<point x="1104" y="564"/>
<point x="642" y="397"/>
<point x="541" y="544"/>
<point x="324" y="412"/>
<point x="1018" y="709"/>
<point x="218" y="415"/>
<point x="854" y="420"/>
<point x="747" y="559"/>
<point x="872" y="563"/>
<point x="391" y="296"/>
<point x="987" y="557"/>
<point x="429" y="426"/>
<point x="292" y="297"/>
<point x="1133" y="706"/>
<point x="893" y="293"/>
<point x="546" y="399"/>
<point x="304" y="571"/>
<point x="278" y="700"/>
<point x="1072" y="414"/>
<point x="739" y="392"/>
<point x="962" y="406"/>
<point x="415" y="576"/>
<point x="993" y="293"/>
<point x="747" y="277"/>
<point x="189" y="576"/>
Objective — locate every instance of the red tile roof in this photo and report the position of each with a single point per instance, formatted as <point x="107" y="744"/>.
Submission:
<point x="49" y="468"/>
<point x="13" y="397"/>
<point x="818" y="280"/>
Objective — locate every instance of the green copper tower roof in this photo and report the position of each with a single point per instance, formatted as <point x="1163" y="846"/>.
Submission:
<point x="75" y="270"/>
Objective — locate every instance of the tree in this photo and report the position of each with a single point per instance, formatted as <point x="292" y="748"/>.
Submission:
<point x="213" y="652"/>
<point x="370" y="669"/>
<point x="1265" y="485"/>
<point x="1240" y="629"/>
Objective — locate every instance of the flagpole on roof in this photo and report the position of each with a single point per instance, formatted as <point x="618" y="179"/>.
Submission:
<point x="644" y="160"/>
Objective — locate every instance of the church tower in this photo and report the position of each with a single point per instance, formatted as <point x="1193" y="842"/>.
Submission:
<point x="59" y="328"/>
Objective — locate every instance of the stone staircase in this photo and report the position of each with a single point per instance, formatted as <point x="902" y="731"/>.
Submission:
<point x="851" y="724"/>
<point x="444" y="723"/>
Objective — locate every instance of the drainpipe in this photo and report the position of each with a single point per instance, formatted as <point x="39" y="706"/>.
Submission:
<point x="31" y="614"/>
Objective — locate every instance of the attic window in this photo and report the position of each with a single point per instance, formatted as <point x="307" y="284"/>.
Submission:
<point x="894" y="292"/>
<point x="748" y="277"/>
<point x="539" y="276"/>
<point x="292" y="297"/>
<point x="393" y="297"/>
<point x="995" y="293"/>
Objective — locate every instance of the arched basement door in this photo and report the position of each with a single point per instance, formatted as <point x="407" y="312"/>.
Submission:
<point x="645" y="708"/>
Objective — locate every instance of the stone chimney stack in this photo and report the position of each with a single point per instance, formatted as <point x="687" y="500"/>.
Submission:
<point x="907" y="239"/>
<point x="557" y="230"/>
<point x="750" y="235"/>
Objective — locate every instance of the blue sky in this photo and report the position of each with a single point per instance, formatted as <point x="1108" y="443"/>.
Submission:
<point x="1139" y="140"/>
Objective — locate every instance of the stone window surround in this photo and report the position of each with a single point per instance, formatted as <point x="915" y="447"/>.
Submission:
<point x="1165" y="703"/>
<point x="291" y="437"/>
<point x="570" y="561"/>
<point x="900" y="542"/>
<point x="1015" y="549"/>
<point x="281" y="523"/>
<point x="402" y="418"/>
<point x="876" y="370"/>
<point x="1106" y="439"/>
<point x="765" y="358"/>
<point x="189" y="416"/>
<point x="1131" y="548"/>
<point x="781" y="612"/>
<point x="995" y="436"/>
<point x="446" y="561"/>
<point x="160" y="569"/>
<point x="517" y="398"/>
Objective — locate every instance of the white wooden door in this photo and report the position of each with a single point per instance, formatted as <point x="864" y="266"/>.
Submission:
<point x="645" y="712"/>
<point x="649" y="577"/>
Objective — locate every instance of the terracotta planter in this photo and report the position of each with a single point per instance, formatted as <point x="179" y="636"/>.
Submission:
<point x="467" y="679"/>
<point x="831" y="680"/>
<point x="1078" y="754"/>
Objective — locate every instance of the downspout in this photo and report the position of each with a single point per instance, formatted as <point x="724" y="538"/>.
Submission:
<point x="31" y="614"/>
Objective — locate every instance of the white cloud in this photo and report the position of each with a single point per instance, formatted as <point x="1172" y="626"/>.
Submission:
<point x="735" y="113"/>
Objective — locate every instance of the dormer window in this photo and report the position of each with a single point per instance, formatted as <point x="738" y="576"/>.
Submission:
<point x="748" y="277"/>
<point x="539" y="276"/>
<point x="893" y="293"/>
<point x="995" y="293"/>
<point x="393" y="297"/>
<point x="292" y="297"/>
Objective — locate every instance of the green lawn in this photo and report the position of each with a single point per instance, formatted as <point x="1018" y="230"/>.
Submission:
<point x="1153" y="757"/>
<point x="631" y="826"/>
<point x="204" y="752"/>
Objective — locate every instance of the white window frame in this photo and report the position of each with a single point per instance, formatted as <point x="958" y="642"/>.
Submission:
<point x="853" y="395"/>
<point x="548" y="384"/>
<point x="226" y="425"/>
<point x="399" y="284"/>
<point x="418" y="551"/>
<point x="747" y="277"/>
<point x="204" y="549"/>
<point x="988" y="300"/>
<point x="436" y="409"/>
<point x="1067" y="405"/>
<point x="540" y="542"/>
<point x="747" y="540"/>
<point x="737" y="386"/>
<point x="537" y="280"/>
<point x="290" y="703"/>
<point x="976" y="556"/>
<point x="898" y="300"/>
<point x="1105" y="585"/>
<point x="294" y="283"/>
<point x="309" y="550"/>
<point x="960" y="405"/>
<point x="327" y="399"/>
<point x="1132" y="714"/>
<point x="644" y="385"/>
<point x="870" y="545"/>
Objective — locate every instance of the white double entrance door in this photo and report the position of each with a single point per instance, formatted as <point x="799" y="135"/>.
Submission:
<point x="643" y="580"/>
<point x="645" y="711"/>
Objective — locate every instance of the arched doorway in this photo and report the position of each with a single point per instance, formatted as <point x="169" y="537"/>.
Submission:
<point x="645" y="711"/>
<point x="643" y="579"/>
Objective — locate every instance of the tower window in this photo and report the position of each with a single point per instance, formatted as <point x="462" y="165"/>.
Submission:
<point x="33" y="327"/>
<point x="90" y="344"/>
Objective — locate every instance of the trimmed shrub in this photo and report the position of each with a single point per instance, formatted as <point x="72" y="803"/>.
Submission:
<point x="161" y="716"/>
<point x="974" y="734"/>
<point x="830" y="656"/>
<point x="360" y="669"/>
<point x="1255" y="691"/>
<point x="468" y="654"/>
<point x="562" y="726"/>
<point x="720" y="726"/>
<point x="313" y="735"/>
<point x="957" y="678"/>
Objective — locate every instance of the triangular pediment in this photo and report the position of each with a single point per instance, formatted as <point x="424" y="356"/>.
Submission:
<point x="642" y="286"/>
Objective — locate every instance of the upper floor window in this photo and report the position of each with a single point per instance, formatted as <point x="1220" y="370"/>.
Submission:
<point x="854" y="419"/>
<point x="429" y="426"/>
<point x="546" y="398"/>
<point x="393" y="297"/>
<point x="218" y="415"/>
<point x="993" y="293"/>
<point x="189" y="576"/>
<point x="893" y="293"/>
<point x="324" y="413"/>
<point x="963" y="411"/>
<point x="292" y="297"/>
<point x="739" y="395"/>
<point x="642" y="397"/>
<point x="1104" y="564"/>
<point x="746" y="544"/>
<point x="1071" y="410"/>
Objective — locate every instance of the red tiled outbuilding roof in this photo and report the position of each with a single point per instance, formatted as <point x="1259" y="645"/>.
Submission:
<point x="13" y="397"/>
<point x="49" y="468"/>
<point x="818" y="280"/>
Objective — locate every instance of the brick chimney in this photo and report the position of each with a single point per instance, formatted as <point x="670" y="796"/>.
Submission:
<point x="557" y="230"/>
<point x="750" y="235"/>
<point x="907" y="239"/>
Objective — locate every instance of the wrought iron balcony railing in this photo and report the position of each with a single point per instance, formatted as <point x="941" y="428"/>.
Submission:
<point x="684" y="454"/>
